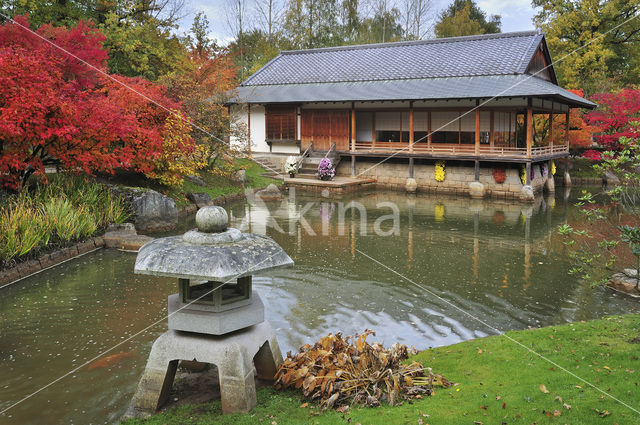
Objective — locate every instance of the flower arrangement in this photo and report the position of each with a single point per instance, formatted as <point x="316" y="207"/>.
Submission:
<point x="291" y="165"/>
<point x="544" y="170"/>
<point x="325" y="169"/>
<point x="523" y="174"/>
<point x="499" y="175"/>
<point x="553" y="168"/>
<point x="440" y="171"/>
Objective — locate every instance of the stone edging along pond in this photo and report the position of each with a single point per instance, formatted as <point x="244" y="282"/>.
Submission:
<point x="46" y="261"/>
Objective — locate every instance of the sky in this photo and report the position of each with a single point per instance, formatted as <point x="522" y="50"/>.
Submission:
<point x="516" y="15"/>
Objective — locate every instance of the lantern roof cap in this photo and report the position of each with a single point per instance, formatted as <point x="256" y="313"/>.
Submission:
<point x="212" y="252"/>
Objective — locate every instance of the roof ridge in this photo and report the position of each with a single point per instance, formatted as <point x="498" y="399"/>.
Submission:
<point x="413" y="42"/>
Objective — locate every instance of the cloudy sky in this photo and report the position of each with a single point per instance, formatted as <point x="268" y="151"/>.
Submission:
<point x="516" y="14"/>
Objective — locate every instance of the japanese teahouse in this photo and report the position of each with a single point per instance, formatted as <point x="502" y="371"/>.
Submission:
<point x="474" y="103"/>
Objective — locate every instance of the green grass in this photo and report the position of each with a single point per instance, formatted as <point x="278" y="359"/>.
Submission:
<point x="223" y="186"/>
<point x="498" y="383"/>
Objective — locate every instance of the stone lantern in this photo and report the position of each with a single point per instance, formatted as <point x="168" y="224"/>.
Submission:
<point x="215" y="317"/>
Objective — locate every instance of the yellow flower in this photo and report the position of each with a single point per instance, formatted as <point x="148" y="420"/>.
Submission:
<point x="523" y="175"/>
<point x="440" y="171"/>
<point x="553" y="168"/>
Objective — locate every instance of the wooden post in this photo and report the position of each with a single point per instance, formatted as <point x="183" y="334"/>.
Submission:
<point x="410" y="167"/>
<point x="528" y="171"/>
<point x="551" y="127"/>
<point x="491" y="129"/>
<point x="411" y="138"/>
<point x="353" y="127"/>
<point x="529" y="124"/>
<point x="551" y="131"/>
<point x="429" y="130"/>
<point x="476" y="170"/>
<point x="477" y="140"/>
<point x="249" y="130"/>
<point x="373" y="130"/>
<point x="566" y="130"/>
<point x="353" y="165"/>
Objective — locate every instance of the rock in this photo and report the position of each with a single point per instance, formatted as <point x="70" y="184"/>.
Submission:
<point x="124" y="228"/>
<point x="240" y="176"/>
<point x="197" y="180"/>
<point x="550" y="184"/>
<point x="476" y="190"/>
<point x="625" y="282"/>
<point x="201" y="199"/>
<point x="132" y="243"/>
<point x="112" y="239"/>
<point x="611" y="179"/>
<point x="270" y="193"/>
<point x="526" y="194"/>
<point x="411" y="185"/>
<point x="154" y="212"/>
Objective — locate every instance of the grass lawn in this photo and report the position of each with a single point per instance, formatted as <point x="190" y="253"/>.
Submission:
<point x="499" y="383"/>
<point x="223" y="186"/>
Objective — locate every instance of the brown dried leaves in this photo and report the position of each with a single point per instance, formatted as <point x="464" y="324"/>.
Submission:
<point x="336" y="370"/>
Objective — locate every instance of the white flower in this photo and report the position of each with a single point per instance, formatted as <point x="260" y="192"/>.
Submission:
<point x="291" y="165"/>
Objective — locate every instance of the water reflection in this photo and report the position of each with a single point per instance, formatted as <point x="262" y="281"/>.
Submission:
<point x="500" y="261"/>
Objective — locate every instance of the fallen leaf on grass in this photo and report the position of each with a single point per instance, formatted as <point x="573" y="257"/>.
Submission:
<point x="304" y="405"/>
<point x="544" y="389"/>
<point x="567" y="406"/>
<point x="342" y="408"/>
<point x="602" y="413"/>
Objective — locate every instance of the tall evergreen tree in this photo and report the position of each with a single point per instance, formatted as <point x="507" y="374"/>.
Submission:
<point x="464" y="17"/>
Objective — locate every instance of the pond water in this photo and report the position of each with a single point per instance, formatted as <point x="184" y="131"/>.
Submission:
<point x="500" y="262"/>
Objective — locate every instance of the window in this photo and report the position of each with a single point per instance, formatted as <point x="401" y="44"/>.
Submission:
<point x="281" y="123"/>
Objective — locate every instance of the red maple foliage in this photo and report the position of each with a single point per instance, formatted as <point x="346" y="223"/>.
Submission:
<point x="614" y="115"/>
<point x="54" y="109"/>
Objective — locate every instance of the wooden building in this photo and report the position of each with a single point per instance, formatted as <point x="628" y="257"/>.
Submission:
<point x="473" y="100"/>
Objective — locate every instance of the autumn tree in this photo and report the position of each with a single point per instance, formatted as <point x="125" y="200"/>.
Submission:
<point x="615" y="117"/>
<point x="594" y="43"/>
<point x="55" y="109"/>
<point x="464" y="17"/>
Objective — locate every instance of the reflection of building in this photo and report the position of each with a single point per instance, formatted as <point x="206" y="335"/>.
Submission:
<point x="472" y="100"/>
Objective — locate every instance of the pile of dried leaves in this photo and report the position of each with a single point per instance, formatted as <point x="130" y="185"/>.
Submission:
<point x="343" y="370"/>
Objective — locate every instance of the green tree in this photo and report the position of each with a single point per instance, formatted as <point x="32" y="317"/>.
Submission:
<point x="464" y="17"/>
<point x="144" y="47"/>
<point x="596" y="41"/>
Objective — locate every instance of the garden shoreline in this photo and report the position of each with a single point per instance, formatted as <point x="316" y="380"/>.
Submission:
<point x="25" y="269"/>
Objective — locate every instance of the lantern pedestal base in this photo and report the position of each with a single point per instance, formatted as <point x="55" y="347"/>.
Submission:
<point x="191" y="318"/>
<point x="238" y="357"/>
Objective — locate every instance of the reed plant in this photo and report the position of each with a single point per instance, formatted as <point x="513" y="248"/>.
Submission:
<point x="67" y="209"/>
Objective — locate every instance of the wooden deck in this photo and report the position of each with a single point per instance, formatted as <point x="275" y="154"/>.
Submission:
<point x="458" y="151"/>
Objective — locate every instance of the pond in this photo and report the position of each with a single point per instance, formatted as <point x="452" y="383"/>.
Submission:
<point x="425" y="271"/>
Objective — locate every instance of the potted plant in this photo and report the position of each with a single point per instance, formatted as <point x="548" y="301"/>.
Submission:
<point x="291" y="166"/>
<point x="325" y="169"/>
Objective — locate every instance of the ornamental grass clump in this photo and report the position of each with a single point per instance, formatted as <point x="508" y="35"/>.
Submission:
<point x="340" y="370"/>
<point x="325" y="169"/>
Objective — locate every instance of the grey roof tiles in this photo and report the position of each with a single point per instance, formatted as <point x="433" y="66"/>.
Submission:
<point x="458" y="67"/>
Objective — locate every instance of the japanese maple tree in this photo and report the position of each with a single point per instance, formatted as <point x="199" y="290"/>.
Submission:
<point x="55" y="108"/>
<point x="614" y="117"/>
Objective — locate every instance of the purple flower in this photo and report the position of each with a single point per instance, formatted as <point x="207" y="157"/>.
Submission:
<point x="325" y="169"/>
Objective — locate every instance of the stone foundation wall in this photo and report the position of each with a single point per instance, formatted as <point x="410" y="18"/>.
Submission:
<point x="393" y="174"/>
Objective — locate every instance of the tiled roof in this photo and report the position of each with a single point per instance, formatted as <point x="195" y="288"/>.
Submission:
<point x="480" y="87"/>
<point x="493" y="54"/>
